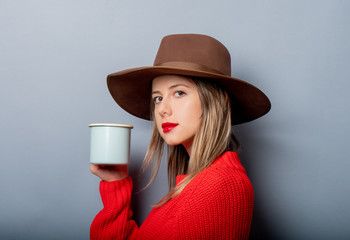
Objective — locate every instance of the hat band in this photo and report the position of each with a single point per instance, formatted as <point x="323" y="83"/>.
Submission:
<point x="190" y="66"/>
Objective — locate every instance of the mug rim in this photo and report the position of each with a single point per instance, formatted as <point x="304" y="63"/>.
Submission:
<point x="110" y="125"/>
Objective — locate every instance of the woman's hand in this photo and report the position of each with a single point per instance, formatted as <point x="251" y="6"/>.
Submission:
<point x="109" y="173"/>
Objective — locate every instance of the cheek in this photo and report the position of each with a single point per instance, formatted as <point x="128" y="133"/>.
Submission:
<point x="193" y="112"/>
<point x="158" y="122"/>
<point x="197" y="114"/>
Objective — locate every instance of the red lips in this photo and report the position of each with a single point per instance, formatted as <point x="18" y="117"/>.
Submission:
<point x="168" y="126"/>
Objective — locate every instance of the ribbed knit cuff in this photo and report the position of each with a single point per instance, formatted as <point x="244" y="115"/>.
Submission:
<point x="117" y="194"/>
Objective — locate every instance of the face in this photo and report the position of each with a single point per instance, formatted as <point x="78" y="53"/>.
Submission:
<point x="177" y="109"/>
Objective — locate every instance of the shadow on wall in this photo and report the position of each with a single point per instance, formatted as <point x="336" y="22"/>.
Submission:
<point x="142" y="199"/>
<point x="260" y="229"/>
<point x="136" y="200"/>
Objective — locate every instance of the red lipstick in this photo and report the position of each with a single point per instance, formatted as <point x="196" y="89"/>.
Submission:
<point x="168" y="126"/>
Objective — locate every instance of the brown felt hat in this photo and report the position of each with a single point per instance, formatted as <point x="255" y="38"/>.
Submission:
<point x="188" y="55"/>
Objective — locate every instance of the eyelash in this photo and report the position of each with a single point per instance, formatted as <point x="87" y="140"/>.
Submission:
<point x="158" y="99"/>
<point x="180" y="93"/>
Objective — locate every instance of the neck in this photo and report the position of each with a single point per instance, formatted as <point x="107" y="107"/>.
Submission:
<point x="188" y="149"/>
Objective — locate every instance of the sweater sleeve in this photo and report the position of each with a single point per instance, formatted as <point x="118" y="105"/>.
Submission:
<point x="114" y="220"/>
<point x="219" y="207"/>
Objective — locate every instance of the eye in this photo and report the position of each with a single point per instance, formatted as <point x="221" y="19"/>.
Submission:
<point x="157" y="99"/>
<point x="179" y="93"/>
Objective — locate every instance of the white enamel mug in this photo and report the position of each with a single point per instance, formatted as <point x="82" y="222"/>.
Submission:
<point x="110" y="143"/>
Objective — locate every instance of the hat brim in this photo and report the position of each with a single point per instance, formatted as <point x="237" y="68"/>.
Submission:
<point x="131" y="89"/>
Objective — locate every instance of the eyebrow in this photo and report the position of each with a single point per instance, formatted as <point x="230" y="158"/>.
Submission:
<point x="173" y="86"/>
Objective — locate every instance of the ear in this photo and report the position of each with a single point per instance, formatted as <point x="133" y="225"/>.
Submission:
<point x="227" y="101"/>
<point x="226" y="98"/>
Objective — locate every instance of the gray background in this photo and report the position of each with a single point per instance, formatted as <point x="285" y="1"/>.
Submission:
<point x="55" y="55"/>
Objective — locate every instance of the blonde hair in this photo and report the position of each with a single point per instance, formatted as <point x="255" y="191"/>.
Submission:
<point x="213" y="138"/>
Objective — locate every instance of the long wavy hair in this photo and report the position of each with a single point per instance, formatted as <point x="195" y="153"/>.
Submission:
<point x="213" y="138"/>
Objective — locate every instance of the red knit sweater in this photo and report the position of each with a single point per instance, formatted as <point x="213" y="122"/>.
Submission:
<point x="216" y="204"/>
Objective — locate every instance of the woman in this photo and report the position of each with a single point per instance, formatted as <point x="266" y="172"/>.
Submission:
<point x="193" y="101"/>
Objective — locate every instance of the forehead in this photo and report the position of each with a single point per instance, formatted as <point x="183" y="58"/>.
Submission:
<point x="167" y="81"/>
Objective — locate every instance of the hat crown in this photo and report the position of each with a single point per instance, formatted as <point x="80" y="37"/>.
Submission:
<point x="194" y="49"/>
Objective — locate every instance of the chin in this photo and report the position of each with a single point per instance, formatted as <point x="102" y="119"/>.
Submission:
<point x="171" y="143"/>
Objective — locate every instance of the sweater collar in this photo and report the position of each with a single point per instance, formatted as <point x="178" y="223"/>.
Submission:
<point x="179" y="178"/>
<point x="228" y="158"/>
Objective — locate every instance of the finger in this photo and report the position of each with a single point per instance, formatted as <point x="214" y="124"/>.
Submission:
<point x="94" y="168"/>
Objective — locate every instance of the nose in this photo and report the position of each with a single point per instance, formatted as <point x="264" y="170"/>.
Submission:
<point x="164" y="108"/>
